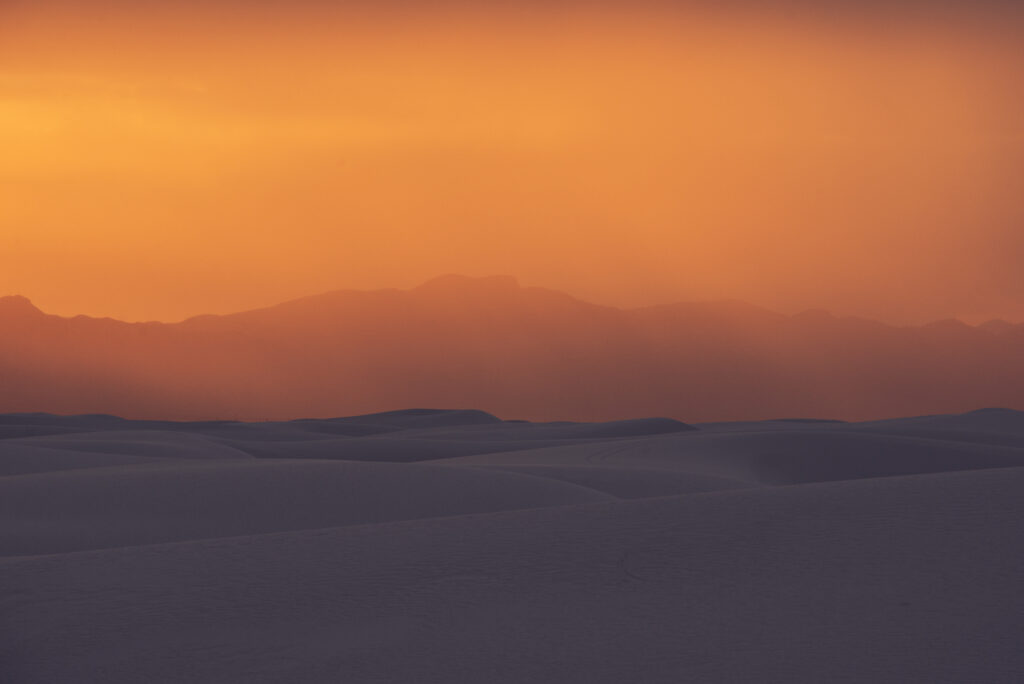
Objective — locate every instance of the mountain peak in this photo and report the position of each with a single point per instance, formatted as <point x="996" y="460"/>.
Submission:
<point x="997" y="326"/>
<point x="815" y="316"/>
<point x="460" y="283"/>
<point x="16" y="305"/>
<point x="950" y="324"/>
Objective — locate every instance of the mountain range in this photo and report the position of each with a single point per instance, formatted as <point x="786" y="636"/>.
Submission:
<point x="519" y="352"/>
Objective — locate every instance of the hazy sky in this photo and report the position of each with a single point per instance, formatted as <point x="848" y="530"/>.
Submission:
<point x="159" y="160"/>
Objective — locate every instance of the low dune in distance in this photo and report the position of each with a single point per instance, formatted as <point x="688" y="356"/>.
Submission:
<point x="451" y="546"/>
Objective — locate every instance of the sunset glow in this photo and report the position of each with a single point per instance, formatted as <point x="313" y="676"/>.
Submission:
<point x="156" y="165"/>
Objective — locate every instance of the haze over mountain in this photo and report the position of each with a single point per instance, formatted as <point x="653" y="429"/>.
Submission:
<point x="162" y="159"/>
<point x="518" y="352"/>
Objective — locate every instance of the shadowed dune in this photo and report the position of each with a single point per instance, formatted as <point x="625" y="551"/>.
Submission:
<point x="772" y="457"/>
<point x="117" y="506"/>
<point x="629" y="482"/>
<point x="24" y="459"/>
<point x="452" y="546"/>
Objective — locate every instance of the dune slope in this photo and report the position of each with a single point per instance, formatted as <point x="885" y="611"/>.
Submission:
<point x="801" y="552"/>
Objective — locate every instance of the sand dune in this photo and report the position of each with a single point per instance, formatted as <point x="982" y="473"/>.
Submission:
<point x="126" y="506"/>
<point x="772" y="457"/>
<point x="452" y="546"/>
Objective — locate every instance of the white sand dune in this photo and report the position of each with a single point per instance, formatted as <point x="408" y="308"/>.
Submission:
<point x="127" y="506"/>
<point x="150" y="443"/>
<point x="803" y="454"/>
<point x="453" y="547"/>
<point x="25" y="458"/>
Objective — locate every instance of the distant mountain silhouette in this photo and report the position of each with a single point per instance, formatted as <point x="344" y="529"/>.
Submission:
<point x="518" y="352"/>
<point x="15" y="307"/>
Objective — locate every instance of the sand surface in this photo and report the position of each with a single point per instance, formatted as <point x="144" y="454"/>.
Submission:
<point x="453" y="547"/>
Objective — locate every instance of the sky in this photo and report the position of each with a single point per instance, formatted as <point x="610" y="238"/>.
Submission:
<point x="162" y="160"/>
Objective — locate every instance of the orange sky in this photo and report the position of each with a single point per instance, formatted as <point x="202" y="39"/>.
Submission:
<point x="160" y="160"/>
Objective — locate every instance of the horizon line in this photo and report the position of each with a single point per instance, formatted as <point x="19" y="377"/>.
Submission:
<point x="27" y="301"/>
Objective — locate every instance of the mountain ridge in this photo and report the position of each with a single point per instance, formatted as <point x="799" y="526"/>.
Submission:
<point x="515" y="351"/>
<point x="504" y="284"/>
